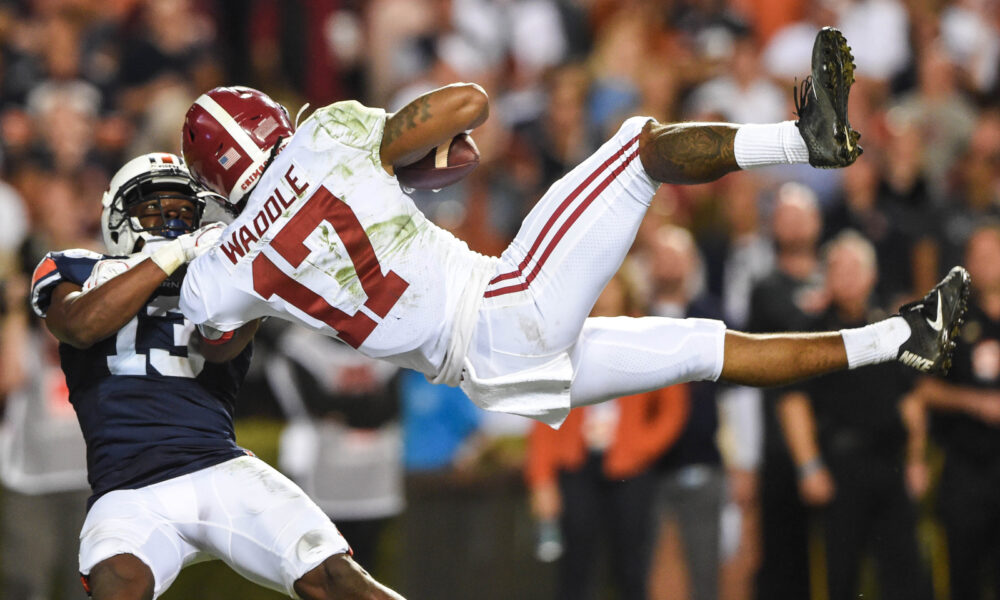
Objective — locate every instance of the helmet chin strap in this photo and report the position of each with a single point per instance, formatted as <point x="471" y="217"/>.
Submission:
<point x="298" y="115"/>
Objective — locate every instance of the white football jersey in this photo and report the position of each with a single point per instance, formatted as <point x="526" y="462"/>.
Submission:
<point x="329" y="240"/>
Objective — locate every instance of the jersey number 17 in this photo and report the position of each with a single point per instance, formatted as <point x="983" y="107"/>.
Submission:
<point x="383" y="291"/>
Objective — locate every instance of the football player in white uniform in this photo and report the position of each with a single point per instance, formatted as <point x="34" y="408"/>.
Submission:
<point x="326" y="237"/>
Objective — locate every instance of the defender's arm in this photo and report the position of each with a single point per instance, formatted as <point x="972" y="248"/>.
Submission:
<point x="81" y="320"/>
<point x="431" y="120"/>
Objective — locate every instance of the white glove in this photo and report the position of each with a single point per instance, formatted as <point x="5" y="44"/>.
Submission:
<point x="110" y="268"/>
<point x="200" y="240"/>
<point x="171" y="255"/>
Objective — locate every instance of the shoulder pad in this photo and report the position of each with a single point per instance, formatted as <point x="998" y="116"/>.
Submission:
<point x="73" y="266"/>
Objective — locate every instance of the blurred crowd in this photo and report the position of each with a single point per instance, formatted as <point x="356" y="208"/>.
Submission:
<point x="741" y="485"/>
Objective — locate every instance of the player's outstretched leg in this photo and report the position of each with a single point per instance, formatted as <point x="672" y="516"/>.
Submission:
<point x="621" y="356"/>
<point x="340" y="578"/>
<point x="823" y="137"/>
<point x="576" y="236"/>
<point x="920" y="336"/>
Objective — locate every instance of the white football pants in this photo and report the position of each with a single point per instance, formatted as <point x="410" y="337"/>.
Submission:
<point x="241" y="511"/>
<point x="531" y="334"/>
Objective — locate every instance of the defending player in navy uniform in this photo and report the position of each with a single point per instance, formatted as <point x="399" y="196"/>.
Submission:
<point x="155" y="401"/>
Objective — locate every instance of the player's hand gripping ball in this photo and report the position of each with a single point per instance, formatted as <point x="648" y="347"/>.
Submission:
<point x="442" y="166"/>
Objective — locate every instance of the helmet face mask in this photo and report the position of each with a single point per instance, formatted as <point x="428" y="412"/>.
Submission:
<point x="137" y="191"/>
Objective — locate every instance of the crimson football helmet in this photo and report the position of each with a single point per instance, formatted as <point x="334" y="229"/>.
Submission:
<point x="145" y="179"/>
<point x="230" y="134"/>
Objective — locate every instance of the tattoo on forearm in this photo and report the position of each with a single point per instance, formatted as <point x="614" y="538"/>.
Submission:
<point x="407" y="118"/>
<point x="690" y="152"/>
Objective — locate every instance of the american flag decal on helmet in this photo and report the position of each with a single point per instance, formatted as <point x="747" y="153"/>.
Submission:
<point x="229" y="158"/>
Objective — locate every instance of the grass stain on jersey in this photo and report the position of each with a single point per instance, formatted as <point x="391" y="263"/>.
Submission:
<point x="393" y="236"/>
<point x="348" y="278"/>
<point x="329" y="239"/>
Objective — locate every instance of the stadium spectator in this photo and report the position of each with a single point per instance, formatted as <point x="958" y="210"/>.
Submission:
<point x="965" y="421"/>
<point x="882" y="28"/>
<point x="439" y="424"/>
<point x="905" y="193"/>
<point x="789" y="298"/>
<point x="849" y="437"/>
<point x="562" y="136"/>
<point x="593" y="475"/>
<point x="975" y="190"/>
<point x="941" y="113"/>
<point x="159" y="53"/>
<point x="784" y="54"/>
<point x="690" y="478"/>
<point x="863" y="209"/>
<point x="43" y="465"/>
<point x="970" y="33"/>
<point x="742" y="92"/>
<point x="343" y="443"/>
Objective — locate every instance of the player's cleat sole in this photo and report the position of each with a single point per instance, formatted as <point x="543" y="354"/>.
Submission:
<point x="934" y="324"/>
<point x="821" y="103"/>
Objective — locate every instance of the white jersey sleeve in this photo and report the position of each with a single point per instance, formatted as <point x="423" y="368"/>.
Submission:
<point x="350" y="123"/>
<point x="208" y="298"/>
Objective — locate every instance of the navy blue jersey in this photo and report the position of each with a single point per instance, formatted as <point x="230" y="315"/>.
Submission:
<point x="149" y="405"/>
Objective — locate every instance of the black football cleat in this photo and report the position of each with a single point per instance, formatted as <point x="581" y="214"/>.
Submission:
<point x="821" y="103"/>
<point x="934" y="323"/>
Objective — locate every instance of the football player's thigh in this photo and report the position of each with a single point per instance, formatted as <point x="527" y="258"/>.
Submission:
<point x="571" y="244"/>
<point x="129" y="523"/>
<point x="263" y="525"/>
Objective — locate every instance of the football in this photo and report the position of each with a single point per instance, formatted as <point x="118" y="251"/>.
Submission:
<point x="442" y="166"/>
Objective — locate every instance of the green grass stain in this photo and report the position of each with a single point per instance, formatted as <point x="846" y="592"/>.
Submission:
<point x="393" y="235"/>
<point x="346" y="276"/>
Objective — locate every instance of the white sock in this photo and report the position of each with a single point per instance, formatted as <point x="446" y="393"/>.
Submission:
<point x="769" y="144"/>
<point x="875" y="343"/>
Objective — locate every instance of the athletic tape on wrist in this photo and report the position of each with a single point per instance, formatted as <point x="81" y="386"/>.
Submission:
<point x="170" y="257"/>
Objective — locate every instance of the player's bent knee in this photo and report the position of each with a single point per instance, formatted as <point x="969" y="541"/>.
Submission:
<point x="336" y="577"/>
<point x="121" y="577"/>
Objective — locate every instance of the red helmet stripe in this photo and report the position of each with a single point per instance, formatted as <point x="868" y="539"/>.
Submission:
<point x="206" y="164"/>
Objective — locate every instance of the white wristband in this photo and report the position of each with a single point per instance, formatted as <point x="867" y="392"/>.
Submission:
<point x="169" y="257"/>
